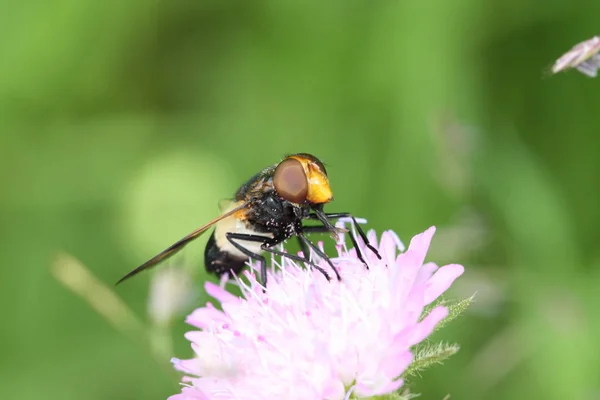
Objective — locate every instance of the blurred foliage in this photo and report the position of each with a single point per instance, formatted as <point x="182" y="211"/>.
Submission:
<point x="123" y="123"/>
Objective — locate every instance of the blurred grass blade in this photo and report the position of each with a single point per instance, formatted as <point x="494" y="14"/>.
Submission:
<point x="76" y="277"/>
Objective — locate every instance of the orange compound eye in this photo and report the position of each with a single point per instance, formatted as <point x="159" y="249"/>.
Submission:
<point x="290" y="181"/>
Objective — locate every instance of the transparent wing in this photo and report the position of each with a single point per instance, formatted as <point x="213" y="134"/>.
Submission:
<point x="224" y="204"/>
<point x="176" y="247"/>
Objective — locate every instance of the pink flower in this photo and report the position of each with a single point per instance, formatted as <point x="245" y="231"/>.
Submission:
<point x="307" y="338"/>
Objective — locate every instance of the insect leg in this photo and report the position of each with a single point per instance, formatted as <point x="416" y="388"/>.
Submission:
<point x="297" y="258"/>
<point x="323" y="229"/>
<point x="304" y="247"/>
<point x="319" y="215"/>
<point x="232" y="237"/>
<point x="320" y="254"/>
<point x="317" y="229"/>
<point x="266" y="246"/>
<point x="352" y="238"/>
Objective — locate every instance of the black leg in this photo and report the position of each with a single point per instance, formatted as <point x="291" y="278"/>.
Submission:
<point x="320" y="254"/>
<point x="323" y="218"/>
<point x="316" y="229"/>
<point x="322" y="229"/>
<point x="310" y="229"/>
<point x="266" y="244"/>
<point x="319" y="215"/>
<point x="304" y="247"/>
<point x="298" y="258"/>
<point x="232" y="237"/>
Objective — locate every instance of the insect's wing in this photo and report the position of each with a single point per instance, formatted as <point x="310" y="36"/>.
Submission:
<point x="174" y="248"/>
<point x="225" y="204"/>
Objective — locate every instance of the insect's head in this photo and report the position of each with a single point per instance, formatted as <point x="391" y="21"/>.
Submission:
<point x="302" y="178"/>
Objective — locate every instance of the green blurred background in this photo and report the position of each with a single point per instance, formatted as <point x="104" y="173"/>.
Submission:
<point x="123" y="123"/>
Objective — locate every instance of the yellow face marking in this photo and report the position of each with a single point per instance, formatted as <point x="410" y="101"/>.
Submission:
<point x="319" y="190"/>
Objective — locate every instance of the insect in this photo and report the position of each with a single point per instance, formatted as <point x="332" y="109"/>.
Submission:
<point x="584" y="56"/>
<point x="267" y="210"/>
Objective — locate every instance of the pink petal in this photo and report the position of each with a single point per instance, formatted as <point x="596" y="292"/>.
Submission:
<point x="362" y="390"/>
<point x="399" y="244"/>
<point x="372" y="236"/>
<point x="206" y="316"/>
<point x="425" y="272"/>
<point x="441" y="281"/>
<point x="410" y="262"/>
<point x="426" y="326"/>
<point x="202" y="338"/>
<point x="419" y="245"/>
<point x="187" y="366"/>
<point x="333" y="389"/>
<point x="398" y="364"/>
<point x="413" y="306"/>
<point x="390" y="387"/>
<point x="188" y="393"/>
<point x="219" y="293"/>
<point x="387" y="247"/>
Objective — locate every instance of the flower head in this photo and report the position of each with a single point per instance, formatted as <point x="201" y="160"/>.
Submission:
<point x="309" y="338"/>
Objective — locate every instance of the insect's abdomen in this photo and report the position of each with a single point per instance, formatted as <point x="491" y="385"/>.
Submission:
<point x="219" y="262"/>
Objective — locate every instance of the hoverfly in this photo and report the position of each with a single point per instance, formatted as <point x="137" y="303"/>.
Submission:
<point x="267" y="210"/>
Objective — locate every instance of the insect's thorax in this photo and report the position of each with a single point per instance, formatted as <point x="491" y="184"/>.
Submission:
<point x="272" y="214"/>
<point x="269" y="216"/>
<point x="269" y="213"/>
